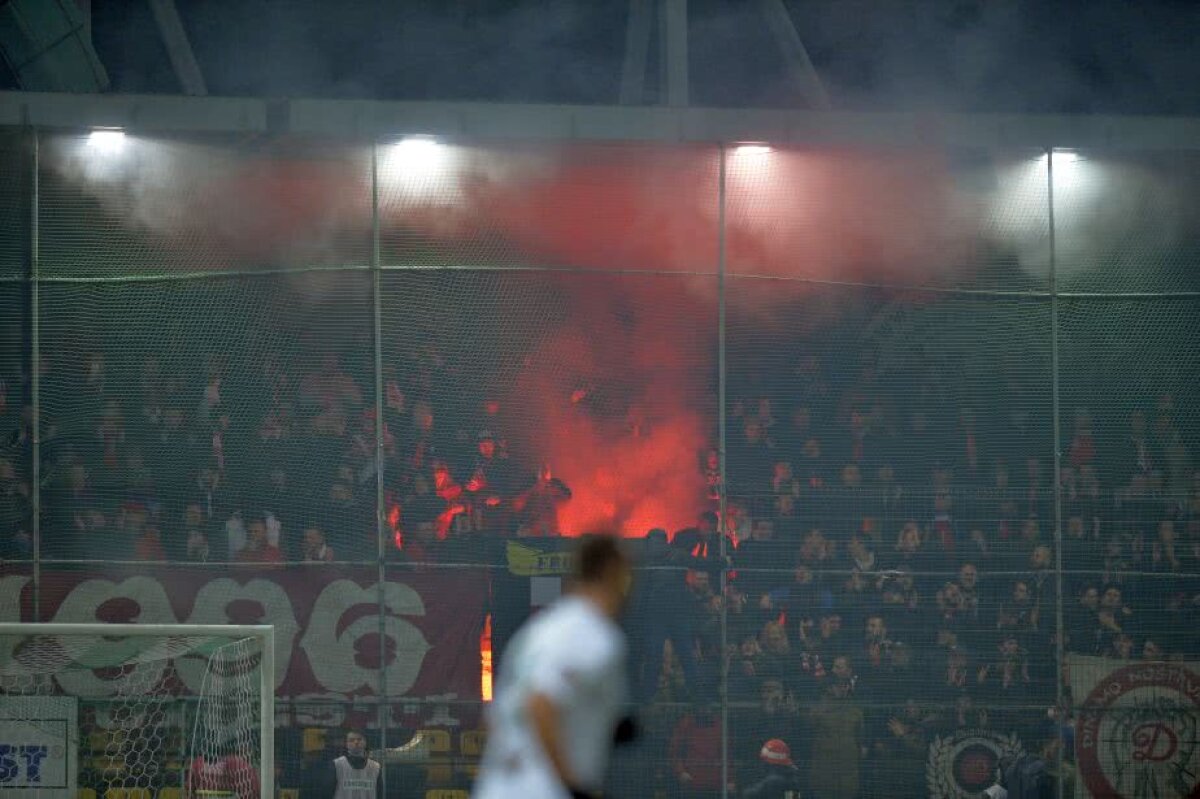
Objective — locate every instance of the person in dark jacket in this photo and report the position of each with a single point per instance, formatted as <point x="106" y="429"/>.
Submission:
<point x="779" y="777"/>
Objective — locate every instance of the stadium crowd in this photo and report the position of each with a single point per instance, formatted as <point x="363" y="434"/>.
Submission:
<point x="886" y="569"/>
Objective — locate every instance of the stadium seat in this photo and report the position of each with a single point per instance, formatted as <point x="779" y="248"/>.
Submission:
<point x="86" y="793"/>
<point x="439" y="740"/>
<point x="171" y="792"/>
<point x="470" y="745"/>
<point x="128" y="793"/>
<point x="471" y="742"/>
<point x="98" y="740"/>
<point x="440" y="771"/>
<point x="445" y="793"/>
<point x="289" y="793"/>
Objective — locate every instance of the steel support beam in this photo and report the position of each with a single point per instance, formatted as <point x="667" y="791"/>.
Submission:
<point x="799" y="65"/>
<point x="637" y="48"/>
<point x="673" y="52"/>
<point x="179" y="49"/>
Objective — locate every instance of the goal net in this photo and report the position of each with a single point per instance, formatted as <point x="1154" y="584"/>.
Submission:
<point x="154" y="711"/>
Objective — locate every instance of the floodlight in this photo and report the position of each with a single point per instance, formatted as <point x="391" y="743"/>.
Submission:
<point x="107" y="141"/>
<point x="751" y="149"/>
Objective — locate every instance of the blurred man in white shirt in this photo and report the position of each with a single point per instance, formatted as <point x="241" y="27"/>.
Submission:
<point x="562" y="685"/>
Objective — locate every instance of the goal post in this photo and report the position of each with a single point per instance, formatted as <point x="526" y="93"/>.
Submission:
<point x="137" y="706"/>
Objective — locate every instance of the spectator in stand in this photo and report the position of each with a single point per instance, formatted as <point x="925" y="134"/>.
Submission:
<point x="777" y="777"/>
<point x="1113" y="615"/>
<point x="313" y="547"/>
<point x="1081" y="620"/>
<point x="777" y="715"/>
<point x="775" y="648"/>
<point x="909" y="552"/>
<point x="15" y="539"/>
<point x="861" y="554"/>
<point x="661" y="604"/>
<point x="1082" y="449"/>
<point x="198" y="548"/>
<point x="700" y="542"/>
<point x="694" y="754"/>
<point x="749" y="458"/>
<point x="1007" y="678"/>
<point x="876" y="650"/>
<point x="149" y="546"/>
<point x="817" y="551"/>
<point x="756" y="557"/>
<point x="1120" y="647"/>
<point x="955" y="678"/>
<point x="899" y="595"/>
<point x="258" y="548"/>
<point x="953" y="616"/>
<point x="538" y="506"/>
<point x="838" y="736"/>
<point x="1020" y="612"/>
<point x="898" y="752"/>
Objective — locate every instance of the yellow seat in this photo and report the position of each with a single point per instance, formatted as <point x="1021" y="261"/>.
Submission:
<point x="445" y="793"/>
<point x="441" y="772"/>
<point x="439" y="740"/>
<point x="128" y="793"/>
<point x="289" y="793"/>
<point x="86" y="793"/>
<point x="99" y="740"/>
<point x="471" y="742"/>
<point x="172" y="792"/>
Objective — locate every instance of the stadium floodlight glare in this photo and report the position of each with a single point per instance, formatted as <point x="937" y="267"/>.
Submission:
<point x="418" y="165"/>
<point x="107" y="141"/>
<point x="418" y="148"/>
<point x="752" y="149"/>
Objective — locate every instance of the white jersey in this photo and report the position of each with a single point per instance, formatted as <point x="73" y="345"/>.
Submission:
<point x="356" y="783"/>
<point x="574" y="655"/>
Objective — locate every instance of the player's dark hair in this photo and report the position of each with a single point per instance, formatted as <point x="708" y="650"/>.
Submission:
<point x="597" y="554"/>
<point x="354" y="731"/>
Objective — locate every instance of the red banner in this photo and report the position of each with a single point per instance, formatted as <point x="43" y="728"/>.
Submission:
<point x="331" y="637"/>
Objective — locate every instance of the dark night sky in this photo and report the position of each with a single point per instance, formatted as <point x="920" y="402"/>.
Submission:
<point x="1088" y="56"/>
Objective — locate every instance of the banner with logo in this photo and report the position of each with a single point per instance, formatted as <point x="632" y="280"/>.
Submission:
<point x="1138" y="728"/>
<point x="331" y="638"/>
<point x="962" y="765"/>
<point x="38" y="750"/>
<point x="544" y="558"/>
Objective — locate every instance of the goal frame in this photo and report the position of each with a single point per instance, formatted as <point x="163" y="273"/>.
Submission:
<point x="263" y="633"/>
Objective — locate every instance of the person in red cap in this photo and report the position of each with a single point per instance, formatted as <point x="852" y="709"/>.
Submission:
<point x="779" y="778"/>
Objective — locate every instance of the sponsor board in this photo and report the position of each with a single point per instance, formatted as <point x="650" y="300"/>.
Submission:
<point x="38" y="750"/>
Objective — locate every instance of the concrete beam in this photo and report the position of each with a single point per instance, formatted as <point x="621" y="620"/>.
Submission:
<point x="367" y="120"/>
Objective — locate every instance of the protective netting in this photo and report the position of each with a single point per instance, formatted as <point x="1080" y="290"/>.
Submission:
<point x="137" y="713"/>
<point x="224" y="748"/>
<point x="912" y="582"/>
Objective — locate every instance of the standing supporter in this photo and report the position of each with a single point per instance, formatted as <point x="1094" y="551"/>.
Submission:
<point x="694" y="753"/>
<point x="838" y="737"/>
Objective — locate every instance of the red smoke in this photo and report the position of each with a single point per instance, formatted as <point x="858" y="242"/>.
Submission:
<point x="615" y="402"/>
<point x="617" y="399"/>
